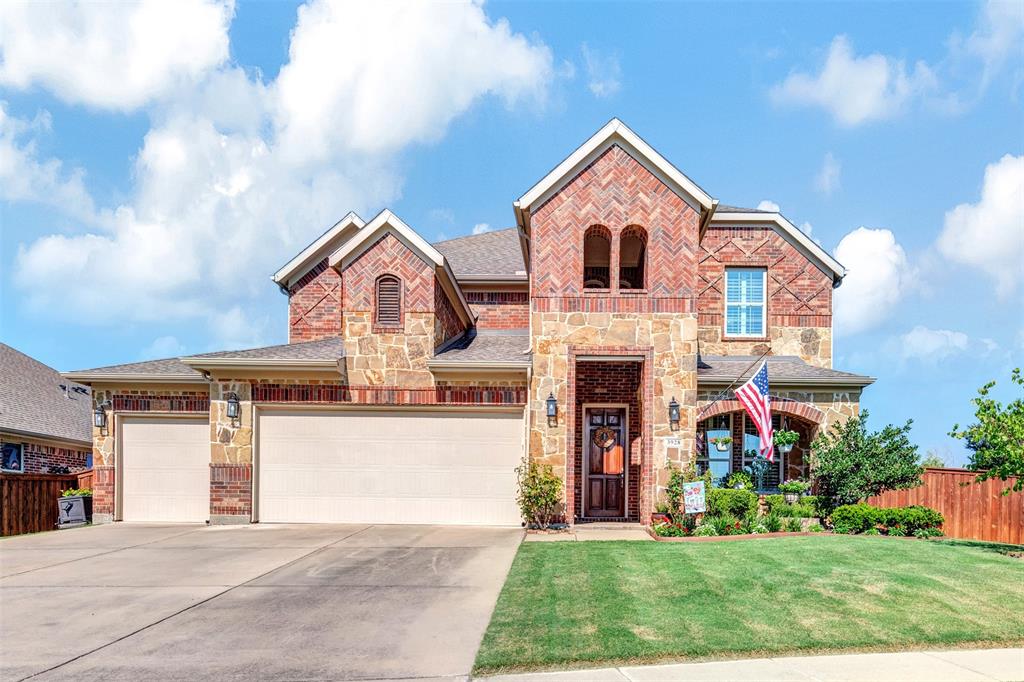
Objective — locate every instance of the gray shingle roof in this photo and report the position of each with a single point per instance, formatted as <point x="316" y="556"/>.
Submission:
<point x="322" y="349"/>
<point x="491" y="253"/>
<point x="781" y="368"/>
<point x="166" y="367"/>
<point x="485" y="347"/>
<point x="33" y="402"/>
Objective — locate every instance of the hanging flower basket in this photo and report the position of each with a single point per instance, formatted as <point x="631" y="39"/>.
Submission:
<point x="786" y="448"/>
<point x="785" y="440"/>
<point x="722" y="444"/>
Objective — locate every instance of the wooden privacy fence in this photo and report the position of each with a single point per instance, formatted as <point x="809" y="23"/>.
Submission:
<point x="28" y="502"/>
<point x="976" y="510"/>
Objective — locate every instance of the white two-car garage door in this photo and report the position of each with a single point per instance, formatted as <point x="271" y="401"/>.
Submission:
<point x="389" y="466"/>
<point x="165" y="469"/>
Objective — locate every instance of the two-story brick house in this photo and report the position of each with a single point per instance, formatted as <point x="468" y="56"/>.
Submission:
<point x="418" y="376"/>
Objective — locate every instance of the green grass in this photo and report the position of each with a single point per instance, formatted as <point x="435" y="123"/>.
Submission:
<point x="586" y="603"/>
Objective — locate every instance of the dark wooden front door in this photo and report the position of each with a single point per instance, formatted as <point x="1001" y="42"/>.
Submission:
<point x="605" y="460"/>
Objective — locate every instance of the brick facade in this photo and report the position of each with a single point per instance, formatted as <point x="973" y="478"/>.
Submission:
<point x="230" y="493"/>
<point x="500" y="309"/>
<point x="314" y="305"/>
<point x="799" y="295"/>
<point x="38" y="457"/>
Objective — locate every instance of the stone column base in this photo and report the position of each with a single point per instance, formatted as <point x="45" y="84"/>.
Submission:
<point x="229" y="519"/>
<point x="99" y="519"/>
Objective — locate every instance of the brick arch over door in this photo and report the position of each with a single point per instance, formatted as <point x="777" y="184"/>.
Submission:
<point x="793" y="408"/>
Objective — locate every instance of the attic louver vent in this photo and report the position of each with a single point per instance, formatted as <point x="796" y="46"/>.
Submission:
<point x="389" y="301"/>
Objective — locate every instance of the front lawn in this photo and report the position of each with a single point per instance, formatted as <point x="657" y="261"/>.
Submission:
<point x="613" y="602"/>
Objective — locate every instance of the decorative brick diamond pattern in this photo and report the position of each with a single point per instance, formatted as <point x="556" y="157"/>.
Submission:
<point x="314" y="305"/>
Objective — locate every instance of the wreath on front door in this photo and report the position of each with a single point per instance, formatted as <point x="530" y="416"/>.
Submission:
<point x="604" y="437"/>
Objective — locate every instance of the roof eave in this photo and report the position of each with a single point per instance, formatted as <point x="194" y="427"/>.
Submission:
<point x="261" y="363"/>
<point x="793" y="382"/>
<point x="45" y="436"/>
<point x="478" y="366"/>
<point x="289" y="269"/>
<point x="99" y="377"/>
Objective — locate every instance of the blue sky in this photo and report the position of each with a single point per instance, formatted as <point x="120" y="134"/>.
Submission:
<point x="157" y="164"/>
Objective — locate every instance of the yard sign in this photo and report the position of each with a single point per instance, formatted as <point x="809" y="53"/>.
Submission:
<point x="693" y="497"/>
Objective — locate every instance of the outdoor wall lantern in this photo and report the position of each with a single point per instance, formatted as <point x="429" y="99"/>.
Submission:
<point x="99" y="417"/>
<point x="552" y="406"/>
<point x="234" y="409"/>
<point x="673" y="414"/>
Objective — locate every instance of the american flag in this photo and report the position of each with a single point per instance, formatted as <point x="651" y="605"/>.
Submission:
<point x="754" y="396"/>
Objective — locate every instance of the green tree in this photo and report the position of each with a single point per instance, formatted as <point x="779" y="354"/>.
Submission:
<point x="933" y="459"/>
<point x="996" y="441"/>
<point x="851" y="464"/>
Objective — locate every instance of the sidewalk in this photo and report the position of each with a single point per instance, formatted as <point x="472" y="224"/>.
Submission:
<point x="910" y="666"/>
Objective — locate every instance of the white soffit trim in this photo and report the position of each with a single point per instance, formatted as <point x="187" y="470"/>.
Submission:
<point x="614" y="132"/>
<point x="291" y="268"/>
<point x="386" y="220"/>
<point x="792" y="233"/>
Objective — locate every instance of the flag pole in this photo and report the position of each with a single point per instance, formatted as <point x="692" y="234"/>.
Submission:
<point x="729" y="387"/>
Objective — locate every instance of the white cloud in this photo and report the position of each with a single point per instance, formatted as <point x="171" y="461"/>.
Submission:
<point x="108" y="54"/>
<point x="856" y="89"/>
<point x="163" y="347"/>
<point x="604" y="73"/>
<point x="877" y="279"/>
<point x="378" y="96"/>
<point x="998" y="35"/>
<point x="480" y="228"/>
<point x="807" y="228"/>
<point x="931" y="345"/>
<point x="25" y="177"/>
<point x="768" y="205"/>
<point x="226" y="189"/>
<point x="989" y="234"/>
<point x="827" y="179"/>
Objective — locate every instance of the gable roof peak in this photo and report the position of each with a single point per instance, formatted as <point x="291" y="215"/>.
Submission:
<point x="314" y="253"/>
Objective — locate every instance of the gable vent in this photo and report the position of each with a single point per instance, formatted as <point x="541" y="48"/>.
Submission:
<point x="389" y="301"/>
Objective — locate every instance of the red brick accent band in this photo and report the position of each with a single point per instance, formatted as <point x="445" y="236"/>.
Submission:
<point x="794" y="320"/>
<point x="230" y="490"/>
<point x="161" y="403"/>
<point x="605" y="303"/>
<point x="387" y="395"/>
<point x="782" y="405"/>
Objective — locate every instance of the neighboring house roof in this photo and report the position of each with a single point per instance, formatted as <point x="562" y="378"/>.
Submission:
<point x="34" y="403"/>
<point x="387" y="221"/>
<point x="794" y="235"/>
<point x="485" y="350"/>
<point x="725" y="208"/>
<point x="488" y="256"/>
<point x="309" y="354"/>
<point x="786" y="370"/>
<point x="166" y="370"/>
<point x="318" y="250"/>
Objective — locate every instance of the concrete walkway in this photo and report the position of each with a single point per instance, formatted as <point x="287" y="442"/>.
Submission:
<point x="959" y="665"/>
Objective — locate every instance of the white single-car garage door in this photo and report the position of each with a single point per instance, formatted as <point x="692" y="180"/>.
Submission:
<point x="165" y="469"/>
<point x="389" y="466"/>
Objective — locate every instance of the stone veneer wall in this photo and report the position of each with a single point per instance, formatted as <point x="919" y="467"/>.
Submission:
<point x="156" y="399"/>
<point x="799" y="295"/>
<point x="314" y="305"/>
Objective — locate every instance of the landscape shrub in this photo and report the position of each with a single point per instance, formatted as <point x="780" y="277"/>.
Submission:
<point x="759" y="529"/>
<point x="77" y="492"/>
<point x="806" y="508"/>
<point x="705" y="530"/>
<point x="860" y="518"/>
<point x="793" y="525"/>
<point x="815" y="528"/>
<point x="897" y="531"/>
<point x="925" y="533"/>
<point x="539" y="495"/>
<point x="736" y="503"/>
<point x="772" y="521"/>
<point x="855" y="518"/>
<point x="724" y="524"/>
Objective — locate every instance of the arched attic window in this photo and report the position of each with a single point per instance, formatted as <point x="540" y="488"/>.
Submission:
<point x="597" y="258"/>
<point x="633" y="258"/>
<point x="387" y="310"/>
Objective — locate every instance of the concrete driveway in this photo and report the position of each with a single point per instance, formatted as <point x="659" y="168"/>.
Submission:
<point x="261" y="601"/>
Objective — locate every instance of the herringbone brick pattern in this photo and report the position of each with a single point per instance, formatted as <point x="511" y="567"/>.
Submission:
<point x="617" y="192"/>
<point x="388" y="255"/>
<point x="799" y="294"/>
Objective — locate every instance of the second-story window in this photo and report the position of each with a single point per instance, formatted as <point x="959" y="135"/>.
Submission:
<point x="388" y="308"/>
<point x="597" y="257"/>
<point x="745" y="301"/>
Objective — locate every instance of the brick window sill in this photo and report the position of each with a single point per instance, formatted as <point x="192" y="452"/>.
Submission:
<point x="749" y="339"/>
<point x="387" y="330"/>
